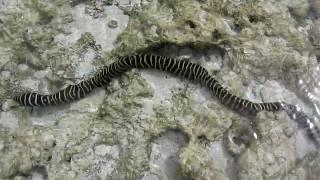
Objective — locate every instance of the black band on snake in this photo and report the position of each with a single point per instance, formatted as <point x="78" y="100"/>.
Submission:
<point x="182" y="68"/>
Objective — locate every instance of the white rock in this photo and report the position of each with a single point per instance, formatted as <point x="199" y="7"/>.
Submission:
<point x="23" y="67"/>
<point x="98" y="27"/>
<point x="103" y="150"/>
<point x="30" y="83"/>
<point x="85" y="67"/>
<point x="9" y="120"/>
<point x="5" y="75"/>
<point x="218" y="156"/>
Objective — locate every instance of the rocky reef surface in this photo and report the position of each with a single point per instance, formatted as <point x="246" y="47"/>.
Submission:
<point x="149" y="124"/>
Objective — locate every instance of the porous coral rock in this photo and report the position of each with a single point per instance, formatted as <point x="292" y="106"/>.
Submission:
<point x="248" y="42"/>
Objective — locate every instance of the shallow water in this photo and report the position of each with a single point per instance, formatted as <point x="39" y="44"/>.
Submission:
<point x="149" y="124"/>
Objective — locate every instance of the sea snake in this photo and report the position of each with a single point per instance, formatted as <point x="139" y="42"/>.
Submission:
<point x="179" y="67"/>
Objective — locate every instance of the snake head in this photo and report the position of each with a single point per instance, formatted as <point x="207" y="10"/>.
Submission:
<point x="310" y="125"/>
<point x="294" y="112"/>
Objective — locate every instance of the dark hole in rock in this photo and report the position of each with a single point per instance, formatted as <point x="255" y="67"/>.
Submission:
<point x="76" y="2"/>
<point x="237" y="28"/>
<point x="203" y="140"/>
<point x="191" y="24"/>
<point x="69" y="159"/>
<point x="252" y="19"/>
<point x="109" y="2"/>
<point x="236" y="140"/>
<point x="202" y="137"/>
<point x="49" y="158"/>
<point x="216" y="34"/>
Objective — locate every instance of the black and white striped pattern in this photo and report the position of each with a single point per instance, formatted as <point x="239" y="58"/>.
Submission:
<point x="69" y="94"/>
<point x="181" y="68"/>
<point x="310" y="125"/>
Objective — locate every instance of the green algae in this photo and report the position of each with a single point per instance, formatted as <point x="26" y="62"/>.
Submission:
<point x="121" y="113"/>
<point x="27" y="40"/>
<point x="259" y="41"/>
<point x="33" y="145"/>
<point x="27" y="34"/>
<point x="120" y="118"/>
<point x="275" y="135"/>
<point x="86" y="41"/>
<point x="307" y="168"/>
<point x="199" y="168"/>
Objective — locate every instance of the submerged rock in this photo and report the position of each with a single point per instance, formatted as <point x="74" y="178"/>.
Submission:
<point x="125" y="131"/>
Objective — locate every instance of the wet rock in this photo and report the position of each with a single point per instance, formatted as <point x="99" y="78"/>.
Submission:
<point x="274" y="151"/>
<point x="203" y="167"/>
<point x="307" y="168"/>
<point x="250" y="49"/>
<point x="164" y="159"/>
<point x="315" y="5"/>
<point x="314" y="33"/>
<point x="299" y="9"/>
<point x="39" y="172"/>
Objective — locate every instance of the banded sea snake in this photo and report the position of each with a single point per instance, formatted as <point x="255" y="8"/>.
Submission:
<point x="182" y="68"/>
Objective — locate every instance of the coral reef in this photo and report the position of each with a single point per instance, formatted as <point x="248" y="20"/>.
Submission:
<point x="147" y="124"/>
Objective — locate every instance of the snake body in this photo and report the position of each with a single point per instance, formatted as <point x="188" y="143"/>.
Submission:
<point x="181" y="68"/>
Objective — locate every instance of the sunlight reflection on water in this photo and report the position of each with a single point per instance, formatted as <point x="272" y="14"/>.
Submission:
<point x="308" y="86"/>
